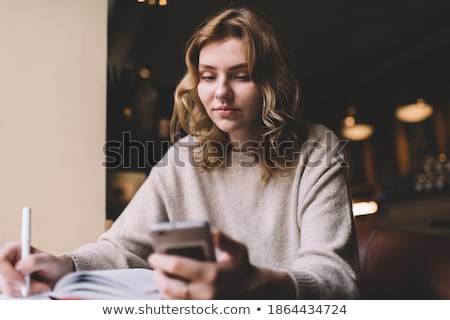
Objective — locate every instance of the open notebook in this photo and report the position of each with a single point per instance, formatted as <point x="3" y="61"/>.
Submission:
<point x="116" y="284"/>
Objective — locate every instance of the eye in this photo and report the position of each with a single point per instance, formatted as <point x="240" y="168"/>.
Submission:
<point x="242" y="77"/>
<point x="207" y="76"/>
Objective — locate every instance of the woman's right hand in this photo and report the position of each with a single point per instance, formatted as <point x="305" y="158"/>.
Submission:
<point x="45" y="269"/>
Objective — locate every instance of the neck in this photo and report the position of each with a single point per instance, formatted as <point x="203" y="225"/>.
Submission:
<point x="246" y="145"/>
<point x="244" y="141"/>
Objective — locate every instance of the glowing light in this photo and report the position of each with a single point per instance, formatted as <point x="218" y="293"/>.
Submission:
<point x="353" y="129"/>
<point x="144" y="73"/>
<point x="349" y="121"/>
<point x="357" y="132"/>
<point x="365" y="207"/>
<point x="414" y="112"/>
<point x="127" y="112"/>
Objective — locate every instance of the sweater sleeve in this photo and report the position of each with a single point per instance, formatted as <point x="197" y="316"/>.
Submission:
<point x="326" y="265"/>
<point x="127" y="243"/>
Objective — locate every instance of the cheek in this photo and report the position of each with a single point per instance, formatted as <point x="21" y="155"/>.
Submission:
<point x="255" y="101"/>
<point x="203" y="93"/>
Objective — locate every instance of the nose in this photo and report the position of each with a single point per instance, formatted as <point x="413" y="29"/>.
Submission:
<point x="223" y="89"/>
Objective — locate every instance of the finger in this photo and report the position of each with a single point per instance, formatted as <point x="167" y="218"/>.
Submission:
<point x="37" y="287"/>
<point x="34" y="263"/>
<point x="12" y="273"/>
<point x="185" y="268"/>
<point x="35" y="250"/>
<point x="235" y="249"/>
<point x="12" y="291"/>
<point x="11" y="252"/>
<point x="171" y="288"/>
<point x="197" y="278"/>
<point x="10" y="279"/>
<point x="24" y="264"/>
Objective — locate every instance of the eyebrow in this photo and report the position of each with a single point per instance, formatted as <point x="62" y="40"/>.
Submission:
<point x="237" y="66"/>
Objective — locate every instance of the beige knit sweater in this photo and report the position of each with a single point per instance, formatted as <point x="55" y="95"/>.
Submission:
<point x="300" y="222"/>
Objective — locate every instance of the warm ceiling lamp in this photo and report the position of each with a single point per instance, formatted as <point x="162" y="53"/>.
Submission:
<point x="414" y="112"/>
<point x="354" y="130"/>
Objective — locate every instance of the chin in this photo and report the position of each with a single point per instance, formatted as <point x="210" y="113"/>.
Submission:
<point x="225" y="128"/>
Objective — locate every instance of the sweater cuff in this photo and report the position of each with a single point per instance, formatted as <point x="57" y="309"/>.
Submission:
<point x="79" y="262"/>
<point x="306" y="285"/>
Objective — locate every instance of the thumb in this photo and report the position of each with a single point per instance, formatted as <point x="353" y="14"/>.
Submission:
<point x="234" y="249"/>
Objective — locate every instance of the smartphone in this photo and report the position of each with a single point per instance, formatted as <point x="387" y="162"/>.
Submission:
<point x="190" y="239"/>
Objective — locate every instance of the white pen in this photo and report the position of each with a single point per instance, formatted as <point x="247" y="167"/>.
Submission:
<point x="26" y="243"/>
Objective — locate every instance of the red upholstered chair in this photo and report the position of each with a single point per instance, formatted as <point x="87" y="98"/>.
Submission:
<point x="404" y="265"/>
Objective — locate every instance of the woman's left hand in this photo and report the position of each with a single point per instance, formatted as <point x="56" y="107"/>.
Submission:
<point x="231" y="277"/>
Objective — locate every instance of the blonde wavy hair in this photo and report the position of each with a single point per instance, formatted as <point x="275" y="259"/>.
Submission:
<point x="280" y="114"/>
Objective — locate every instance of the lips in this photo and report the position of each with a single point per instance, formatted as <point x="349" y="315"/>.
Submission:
<point x="226" y="111"/>
<point x="225" y="108"/>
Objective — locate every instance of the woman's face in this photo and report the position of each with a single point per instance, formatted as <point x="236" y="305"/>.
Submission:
<point x="231" y="99"/>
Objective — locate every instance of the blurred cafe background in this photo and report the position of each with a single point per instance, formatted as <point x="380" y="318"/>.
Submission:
<point x="375" y="72"/>
<point x="86" y="92"/>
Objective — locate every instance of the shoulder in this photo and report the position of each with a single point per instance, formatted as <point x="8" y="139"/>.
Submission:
<point x="319" y="132"/>
<point x="323" y="142"/>
<point x="180" y="153"/>
<point x="188" y="141"/>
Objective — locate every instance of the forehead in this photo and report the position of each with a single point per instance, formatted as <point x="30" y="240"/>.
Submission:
<point x="223" y="52"/>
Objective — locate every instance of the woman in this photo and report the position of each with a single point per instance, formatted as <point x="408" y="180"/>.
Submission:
<point x="274" y="186"/>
